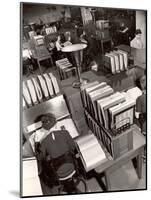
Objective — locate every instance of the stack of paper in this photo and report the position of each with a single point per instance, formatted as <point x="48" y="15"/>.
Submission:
<point x="63" y="63"/>
<point x="91" y="152"/>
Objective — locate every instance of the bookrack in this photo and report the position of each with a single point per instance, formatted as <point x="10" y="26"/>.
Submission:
<point x="116" y="144"/>
<point x="116" y="130"/>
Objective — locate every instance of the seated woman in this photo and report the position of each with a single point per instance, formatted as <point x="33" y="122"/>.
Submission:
<point x="59" y="45"/>
<point x="137" y="41"/>
<point x="52" y="144"/>
<point x="141" y="105"/>
<point x="83" y="38"/>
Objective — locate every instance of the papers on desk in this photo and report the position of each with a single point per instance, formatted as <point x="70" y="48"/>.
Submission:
<point x="91" y="152"/>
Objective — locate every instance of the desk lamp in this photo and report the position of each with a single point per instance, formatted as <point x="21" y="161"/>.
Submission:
<point x="77" y="52"/>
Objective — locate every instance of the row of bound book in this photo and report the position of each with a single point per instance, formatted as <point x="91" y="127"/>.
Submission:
<point x="40" y="88"/>
<point x="116" y="61"/>
<point x="110" y="109"/>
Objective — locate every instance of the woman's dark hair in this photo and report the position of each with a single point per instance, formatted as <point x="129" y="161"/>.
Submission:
<point x="138" y="31"/>
<point x="48" y="118"/>
<point x="138" y="81"/>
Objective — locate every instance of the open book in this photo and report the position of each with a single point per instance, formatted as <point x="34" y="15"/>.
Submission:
<point x="91" y="152"/>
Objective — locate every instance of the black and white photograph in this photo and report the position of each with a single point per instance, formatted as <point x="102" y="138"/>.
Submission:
<point x="83" y="99"/>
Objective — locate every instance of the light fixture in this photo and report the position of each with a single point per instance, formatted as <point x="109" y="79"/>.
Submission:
<point x="77" y="52"/>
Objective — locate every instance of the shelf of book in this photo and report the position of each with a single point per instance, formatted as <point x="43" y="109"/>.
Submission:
<point x="116" y="144"/>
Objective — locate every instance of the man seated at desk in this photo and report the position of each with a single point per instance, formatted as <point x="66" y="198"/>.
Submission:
<point x="52" y="144"/>
<point x="141" y="105"/>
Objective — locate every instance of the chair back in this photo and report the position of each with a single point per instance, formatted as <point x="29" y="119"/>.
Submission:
<point x="63" y="165"/>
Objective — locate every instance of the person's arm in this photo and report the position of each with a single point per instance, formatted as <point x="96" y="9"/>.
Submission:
<point x="58" y="46"/>
<point x="138" y="108"/>
<point x="125" y="30"/>
<point x="70" y="141"/>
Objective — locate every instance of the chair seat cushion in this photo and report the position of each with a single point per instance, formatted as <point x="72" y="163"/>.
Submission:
<point x="65" y="170"/>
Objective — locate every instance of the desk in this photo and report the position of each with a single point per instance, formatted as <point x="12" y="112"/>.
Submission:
<point x="57" y="105"/>
<point x="103" y="41"/>
<point x="30" y="180"/>
<point x="111" y="165"/>
<point x="39" y="59"/>
<point x="74" y="98"/>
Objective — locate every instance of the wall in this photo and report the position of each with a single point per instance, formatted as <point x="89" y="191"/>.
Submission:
<point x="33" y="13"/>
<point x="141" y="24"/>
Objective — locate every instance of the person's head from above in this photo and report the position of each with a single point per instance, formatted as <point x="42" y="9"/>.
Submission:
<point x="48" y="121"/>
<point x="143" y="82"/>
<point x="138" y="33"/>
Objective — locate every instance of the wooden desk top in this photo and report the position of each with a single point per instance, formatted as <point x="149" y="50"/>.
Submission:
<point x="138" y="142"/>
<point x="56" y="105"/>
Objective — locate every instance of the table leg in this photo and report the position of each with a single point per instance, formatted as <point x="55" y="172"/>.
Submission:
<point x="107" y="181"/>
<point x="139" y="166"/>
<point x="51" y="61"/>
<point x="39" y="66"/>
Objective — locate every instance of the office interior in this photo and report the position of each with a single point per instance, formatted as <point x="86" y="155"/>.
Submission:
<point x="73" y="61"/>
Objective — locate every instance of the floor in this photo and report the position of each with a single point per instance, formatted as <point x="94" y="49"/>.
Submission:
<point x="128" y="181"/>
<point x="128" y="178"/>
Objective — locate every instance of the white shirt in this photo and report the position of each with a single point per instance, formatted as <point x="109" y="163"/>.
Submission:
<point x="137" y="43"/>
<point x="58" y="46"/>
